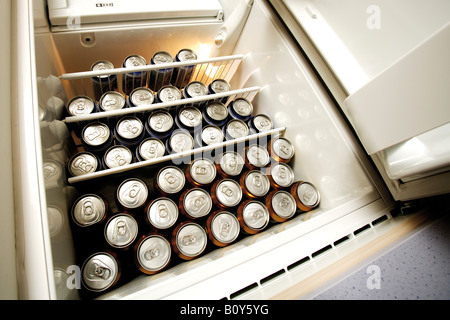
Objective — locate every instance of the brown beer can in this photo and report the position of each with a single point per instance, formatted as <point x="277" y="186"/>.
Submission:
<point x="306" y="195"/>
<point x="253" y="216"/>
<point x="226" y="193"/>
<point x="222" y="228"/>
<point x="201" y="172"/>
<point x="281" y="205"/>
<point x="280" y="175"/>
<point x="254" y="184"/>
<point x="189" y="240"/>
<point x="229" y="164"/>
<point x="281" y="149"/>
<point x="152" y="253"/>
<point x="256" y="157"/>
<point x="195" y="203"/>
<point x="100" y="271"/>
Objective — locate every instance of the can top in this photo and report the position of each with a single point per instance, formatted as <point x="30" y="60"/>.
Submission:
<point x="100" y="271"/>
<point x="121" y="230"/>
<point x="169" y="93"/>
<point x="53" y="172"/>
<point x="171" y="179"/>
<point x="225" y="227"/>
<point x="255" y="215"/>
<point x="83" y="163"/>
<point x="142" y="96"/>
<point x="283" y="148"/>
<point x="202" y="170"/>
<point x="242" y="107"/>
<point x="217" y="111"/>
<point x="160" y="121"/>
<point x="55" y="219"/>
<point x="134" y="60"/>
<point x="112" y="100"/>
<point x="212" y="134"/>
<point x="229" y="192"/>
<point x="236" y="129"/>
<point x="162" y="213"/>
<point x="262" y="122"/>
<point x="95" y="134"/>
<point x="283" y="204"/>
<point x="186" y="55"/>
<point x="151" y="148"/>
<point x="117" y="156"/>
<point x="231" y="163"/>
<point x="181" y="140"/>
<point x="162" y="57"/>
<point x="80" y="105"/>
<point x="190" y="117"/>
<point x="282" y="174"/>
<point x="129" y="128"/>
<point x="257" y="156"/>
<point x="220" y="85"/>
<point x="102" y="65"/>
<point x="191" y="239"/>
<point x="308" y="194"/>
<point x="197" y="202"/>
<point x="257" y="183"/>
<point x="132" y="193"/>
<point x="88" y="210"/>
<point x="154" y="253"/>
<point x="195" y="89"/>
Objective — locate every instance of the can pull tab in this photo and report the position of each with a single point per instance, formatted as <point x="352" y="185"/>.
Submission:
<point x="121" y="230"/>
<point x="88" y="210"/>
<point x="99" y="271"/>
<point x="189" y="240"/>
<point x="152" y="253"/>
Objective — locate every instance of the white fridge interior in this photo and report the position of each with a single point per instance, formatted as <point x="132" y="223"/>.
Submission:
<point x="264" y="65"/>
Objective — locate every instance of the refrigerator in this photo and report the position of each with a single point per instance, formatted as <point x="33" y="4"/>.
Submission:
<point x="359" y="89"/>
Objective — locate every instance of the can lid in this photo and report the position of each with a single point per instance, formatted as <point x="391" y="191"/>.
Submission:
<point x="231" y="163"/>
<point x="236" y="129"/>
<point x="169" y="93"/>
<point x="202" y="170"/>
<point x="171" y="179"/>
<point x="283" y="148"/>
<point x="88" y="210"/>
<point x="83" y="163"/>
<point x="186" y="55"/>
<point x="229" y="192"/>
<point x="53" y="172"/>
<point x="212" y="134"/>
<point x="257" y="156"/>
<point x="132" y="193"/>
<point x="217" y="111"/>
<point x="256" y="215"/>
<point x="154" y="253"/>
<point x="257" y="183"/>
<point x="134" y="60"/>
<point x="197" y="202"/>
<point x="102" y="65"/>
<point x="96" y="134"/>
<point x="121" y="230"/>
<point x="160" y="121"/>
<point x="282" y="174"/>
<point x="162" y="57"/>
<point x="162" y="213"/>
<point x="117" y="156"/>
<point x="262" y="122"/>
<point x="242" y="107"/>
<point x="55" y="219"/>
<point x="225" y="227"/>
<point x="220" y="85"/>
<point x="191" y="239"/>
<point x="151" y="148"/>
<point x="80" y="105"/>
<point x="196" y="89"/>
<point x="308" y="194"/>
<point x="283" y="204"/>
<point x="129" y="128"/>
<point x="112" y="100"/>
<point x="142" y="96"/>
<point x="181" y="140"/>
<point x="190" y="116"/>
<point x="100" y="271"/>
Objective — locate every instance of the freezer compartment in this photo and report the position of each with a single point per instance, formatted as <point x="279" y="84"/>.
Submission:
<point x="278" y="81"/>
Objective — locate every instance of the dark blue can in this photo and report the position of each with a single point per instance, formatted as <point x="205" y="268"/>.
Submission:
<point x="133" y="80"/>
<point x="182" y="75"/>
<point x="129" y="131"/>
<point x="189" y="118"/>
<point x="105" y="83"/>
<point x="240" y="108"/>
<point x="160" y="124"/>
<point x="215" y="113"/>
<point x="260" y="123"/>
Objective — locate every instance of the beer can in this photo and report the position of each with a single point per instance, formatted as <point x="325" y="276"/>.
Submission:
<point x="195" y="203"/>
<point x="111" y="100"/>
<point x="189" y="118"/>
<point x="253" y="216"/>
<point x="83" y="163"/>
<point x="121" y="231"/>
<point x="229" y="164"/>
<point x="215" y="113"/>
<point x="235" y="129"/>
<point x="168" y="93"/>
<point x="200" y="172"/>
<point x="103" y="84"/>
<point x="222" y="228"/>
<point x="100" y="271"/>
<point x="195" y="89"/>
<point x="254" y="183"/>
<point x="280" y="175"/>
<point x="96" y="137"/>
<point x="159" y="124"/>
<point x="159" y="78"/>
<point x="133" y="80"/>
<point x="89" y="209"/>
<point x="189" y="240"/>
<point x="132" y="194"/>
<point x="150" y="148"/>
<point x="117" y="156"/>
<point x="152" y="253"/>
<point x="161" y="213"/>
<point x="169" y="180"/>
<point x="240" y="108"/>
<point x="281" y="149"/>
<point x="140" y="96"/>
<point x="306" y="195"/>
<point x="80" y="105"/>
<point x="180" y="140"/>
<point x="181" y="75"/>
<point x="281" y="205"/>
<point x="208" y="135"/>
<point x="256" y="157"/>
<point x="226" y="193"/>
<point x="260" y="123"/>
<point x="129" y="131"/>
<point x="219" y="86"/>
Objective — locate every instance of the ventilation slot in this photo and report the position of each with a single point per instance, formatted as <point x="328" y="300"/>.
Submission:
<point x="379" y="220"/>
<point x="323" y="250"/>
<point x="298" y="263"/>
<point x="273" y="276"/>
<point x="341" y="240"/>
<point x="244" y="290"/>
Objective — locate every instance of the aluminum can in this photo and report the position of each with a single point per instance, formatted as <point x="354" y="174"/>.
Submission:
<point x="149" y="149"/>
<point x="226" y="193"/>
<point x="111" y="100"/>
<point x="189" y="118"/>
<point x="256" y="157"/>
<point x="160" y="124"/>
<point x="253" y="216"/>
<point x="83" y="163"/>
<point x="280" y="175"/>
<point x="132" y="194"/>
<point x="195" y="203"/>
<point x="141" y="97"/>
<point x="222" y="228"/>
<point x="80" y="105"/>
<point x="117" y="156"/>
<point x="219" y="86"/>
<point x="133" y="80"/>
<point x="152" y="253"/>
<point x="281" y="150"/>
<point x="100" y="271"/>
<point x="189" y="240"/>
<point x="159" y="78"/>
<point x="229" y="164"/>
<point x="260" y="123"/>
<point x="195" y="89"/>
<point x="181" y="76"/>
<point x="281" y="205"/>
<point x="201" y="172"/>
<point x="169" y="181"/>
<point x="208" y="135"/>
<point x="215" y="113"/>
<point x="254" y="183"/>
<point x="240" y="108"/>
<point x="129" y="131"/>
<point x="180" y="140"/>
<point x="235" y="129"/>
<point x="168" y="93"/>
<point x="121" y="231"/>
<point x="96" y="137"/>
<point x="102" y="84"/>
<point x="161" y="213"/>
<point x="89" y="209"/>
<point x="306" y="195"/>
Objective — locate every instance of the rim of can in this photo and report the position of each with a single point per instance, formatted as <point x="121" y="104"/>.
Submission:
<point x="121" y="230"/>
<point x="160" y="121"/>
<point x="187" y="239"/>
<point x="87" y="105"/>
<point x="142" y="96"/>
<point x="117" y="156"/>
<point x="257" y="183"/>
<point x="199" y="206"/>
<point x="242" y="107"/>
<point x="202" y="170"/>
<point x="186" y="55"/>
<point x="95" y="134"/>
<point x="213" y="111"/>
<point x="161" y="57"/>
<point x="132" y="193"/>
<point x="257" y="155"/>
<point x="162" y="213"/>
<point x="307" y="194"/>
<point x="169" y="93"/>
<point x="170" y="179"/>
<point x="88" y="204"/>
<point x="138" y="60"/>
<point x="129" y="127"/>
<point x="255" y="215"/>
<point x="195" y="89"/>
<point x="212" y="134"/>
<point x="283" y="148"/>
<point x="228" y="192"/>
<point x="105" y="271"/>
<point x="190" y="116"/>
<point x="153" y="253"/>
<point x="111" y="100"/>
<point x="181" y="140"/>
<point x="262" y="122"/>
<point x="102" y="65"/>
<point x="283" y="204"/>
<point x="220" y="85"/>
<point x="227" y="233"/>
<point x="83" y="163"/>
<point x="151" y="148"/>
<point x="55" y="219"/>
<point x="236" y="128"/>
<point x="282" y="174"/>
<point x="224" y="163"/>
